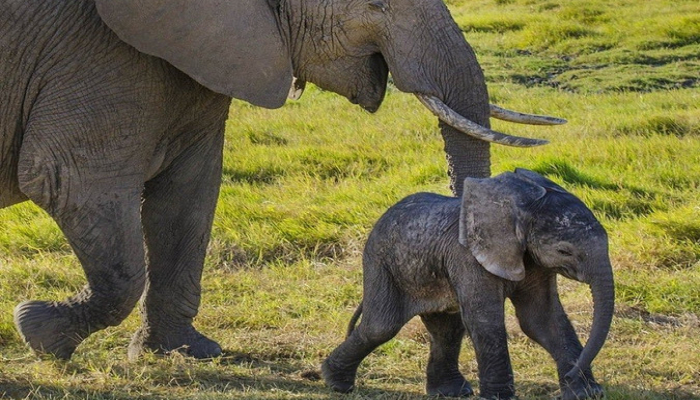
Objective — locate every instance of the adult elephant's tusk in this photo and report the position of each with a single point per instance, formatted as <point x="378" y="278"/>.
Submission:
<point x="521" y="118"/>
<point x="452" y="118"/>
<point x="297" y="89"/>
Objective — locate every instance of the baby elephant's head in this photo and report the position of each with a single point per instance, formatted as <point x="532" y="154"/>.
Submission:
<point x="513" y="216"/>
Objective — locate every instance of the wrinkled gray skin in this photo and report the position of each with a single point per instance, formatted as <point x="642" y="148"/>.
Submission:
<point x="455" y="264"/>
<point x="124" y="148"/>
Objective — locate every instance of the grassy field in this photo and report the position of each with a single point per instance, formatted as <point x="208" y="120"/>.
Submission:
<point x="301" y="191"/>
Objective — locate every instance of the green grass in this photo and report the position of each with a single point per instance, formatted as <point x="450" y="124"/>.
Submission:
<point x="300" y="193"/>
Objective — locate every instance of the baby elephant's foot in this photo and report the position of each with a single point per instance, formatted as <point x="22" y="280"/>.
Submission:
<point x="188" y="341"/>
<point x="455" y="387"/>
<point x="582" y="388"/>
<point x="338" y="379"/>
<point x="47" y="328"/>
<point x="499" y="392"/>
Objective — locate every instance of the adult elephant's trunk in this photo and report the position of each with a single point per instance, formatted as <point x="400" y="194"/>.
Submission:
<point x="436" y="63"/>
<point x="462" y="88"/>
<point x="603" y="292"/>
<point x="464" y="91"/>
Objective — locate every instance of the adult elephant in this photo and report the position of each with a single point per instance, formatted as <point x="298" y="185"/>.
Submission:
<point x="112" y="121"/>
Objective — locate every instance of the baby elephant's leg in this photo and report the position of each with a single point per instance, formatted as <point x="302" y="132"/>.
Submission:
<point x="446" y="333"/>
<point x="340" y="367"/>
<point x="382" y="319"/>
<point x="544" y="320"/>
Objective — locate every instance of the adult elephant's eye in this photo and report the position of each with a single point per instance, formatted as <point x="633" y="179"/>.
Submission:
<point x="378" y="5"/>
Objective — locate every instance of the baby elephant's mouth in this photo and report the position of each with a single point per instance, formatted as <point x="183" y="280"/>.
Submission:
<point x="569" y="272"/>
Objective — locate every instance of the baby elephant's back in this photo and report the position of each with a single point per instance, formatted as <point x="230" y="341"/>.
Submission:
<point x="416" y="218"/>
<point x="412" y="237"/>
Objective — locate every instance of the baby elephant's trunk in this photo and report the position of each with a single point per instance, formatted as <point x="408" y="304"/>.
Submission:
<point x="603" y="292"/>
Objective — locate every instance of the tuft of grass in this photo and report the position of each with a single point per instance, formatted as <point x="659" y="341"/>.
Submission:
<point x="630" y="77"/>
<point x="544" y="34"/>
<point x="266" y="138"/>
<point x="654" y="57"/>
<point x="491" y="23"/>
<point x="663" y="239"/>
<point x="584" y="13"/>
<point x="678" y="125"/>
<point x="663" y="293"/>
<point x="683" y="31"/>
<point x="20" y="238"/>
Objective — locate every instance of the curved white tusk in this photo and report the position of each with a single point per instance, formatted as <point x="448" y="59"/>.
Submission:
<point x="297" y="89"/>
<point x="521" y="118"/>
<point x="452" y="118"/>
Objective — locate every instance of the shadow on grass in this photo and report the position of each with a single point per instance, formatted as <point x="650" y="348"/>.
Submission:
<point x="21" y="390"/>
<point x="614" y="392"/>
<point x="572" y="176"/>
<point x="205" y="384"/>
<point x="262" y="388"/>
<point x="265" y="379"/>
<point x="530" y="390"/>
<point x="634" y="201"/>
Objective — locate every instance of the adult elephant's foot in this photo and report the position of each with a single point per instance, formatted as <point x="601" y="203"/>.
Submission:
<point x="188" y="341"/>
<point x="338" y="379"/>
<point x="48" y="328"/>
<point x="455" y="387"/>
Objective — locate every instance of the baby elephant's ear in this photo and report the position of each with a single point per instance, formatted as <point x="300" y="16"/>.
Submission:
<point x="537" y="179"/>
<point x="490" y="228"/>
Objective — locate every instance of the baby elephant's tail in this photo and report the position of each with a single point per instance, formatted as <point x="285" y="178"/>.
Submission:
<point x="353" y="320"/>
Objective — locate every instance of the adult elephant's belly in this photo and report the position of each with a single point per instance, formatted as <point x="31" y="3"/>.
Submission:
<point x="19" y="47"/>
<point x="9" y="151"/>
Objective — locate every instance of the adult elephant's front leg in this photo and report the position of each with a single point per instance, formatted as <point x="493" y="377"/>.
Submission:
<point x="178" y="210"/>
<point x="105" y="233"/>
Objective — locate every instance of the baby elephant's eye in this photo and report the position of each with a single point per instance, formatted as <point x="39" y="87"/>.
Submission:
<point x="565" y="252"/>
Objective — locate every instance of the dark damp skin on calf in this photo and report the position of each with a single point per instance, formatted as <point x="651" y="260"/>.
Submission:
<point x="426" y="256"/>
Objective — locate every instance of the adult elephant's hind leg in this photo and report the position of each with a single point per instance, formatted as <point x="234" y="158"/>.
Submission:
<point x="105" y="233"/>
<point x="178" y="211"/>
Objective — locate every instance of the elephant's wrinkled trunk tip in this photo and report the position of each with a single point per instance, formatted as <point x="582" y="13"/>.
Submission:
<point x="457" y="121"/>
<point x="603" y="292"/>
<point x="522" y="118"/>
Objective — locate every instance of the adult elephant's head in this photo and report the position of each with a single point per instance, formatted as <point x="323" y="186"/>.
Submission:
<point x="251" y="49"/>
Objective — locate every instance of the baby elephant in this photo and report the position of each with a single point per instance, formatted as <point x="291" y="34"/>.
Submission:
<point x="455" y="261"/>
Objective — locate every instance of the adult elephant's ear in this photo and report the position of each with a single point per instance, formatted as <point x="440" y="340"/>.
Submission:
<point x="490" y="227"/>
<point x="233" y="47"/>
